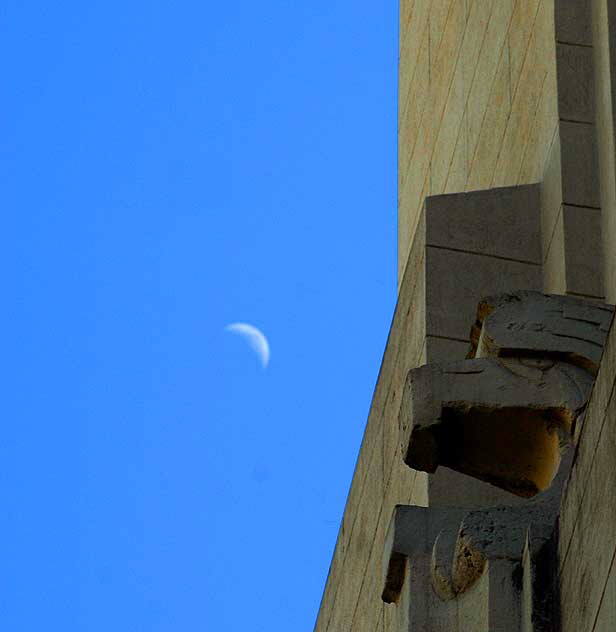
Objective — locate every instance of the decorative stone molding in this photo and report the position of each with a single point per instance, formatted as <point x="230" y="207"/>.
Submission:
<point x="505" y="415"/>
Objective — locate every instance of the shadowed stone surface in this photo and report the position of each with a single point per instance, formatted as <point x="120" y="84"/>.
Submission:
<point x="506" y="416"/>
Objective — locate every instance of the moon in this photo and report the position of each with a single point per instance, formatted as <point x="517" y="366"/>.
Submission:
<point x="255" y="339"/>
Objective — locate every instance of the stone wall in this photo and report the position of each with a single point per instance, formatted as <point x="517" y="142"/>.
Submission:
<point x="352" y="597"/>
<point x="493" y="93"/>
<point x="454" y="261"/>
<point x="587" y="541"/>
<point x="587" y="548"/>
<point x="477" y="99"/>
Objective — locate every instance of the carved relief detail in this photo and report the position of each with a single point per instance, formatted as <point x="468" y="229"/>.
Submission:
<point x="505" y="416"/>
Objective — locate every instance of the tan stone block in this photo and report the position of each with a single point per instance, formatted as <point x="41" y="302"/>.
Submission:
<point x="456" y="281"/>
<point x="520" y="31"/>
<point x="372" y="441"/>
<point x="404" y="225"/>
<point x="479" y="12"/>
<point x="554" y="278"/>
<point x="361" y="539"/>
<point x="406" y="11"/>
<point x="490" y="136"/>
<point x="368" y="615"/>
<point x="439" y="13"/>
<point x="409" y="349"/>
<point x="406" y="486"/>
<point x="546" y="43"/>
<point x="607" y="611"/>
<point x="526" y="98"/>
<point x="441" y="71"/>
<point x="398" y="339"/>
<point x="457" y="171"/>
<point x="587" y="560"/>
<point x="477" y="222"/>
<point x="542" y="134"/>
<point x="423" y="358"/>
<point x="602" y="393"/>
<point x="573" y="21"/>
<point x="449" y="488"/>
<point x="414" y="262"/>
<point x="551" y="194"/>
<point x="586" y="435"/>
<point x="445" y="349"/>
<point x="488" y="61"/>
<point x="416" y="156"/>
<point x="586" y="438"/>
<point x="412" y="107"/>
<point x="603" y="67"/>
<point x="419" y="495"/>
<point x="411" y="49"/>
<point x="450" y="127"/>
<point x="473" y="610"/>
<point x="579" y="164"/>
<point x="583" y="250"/>
<point x="331" y="586"/>
<point x="413" y="200"/>
<point x="401" y="336"/>
<point x="574" y="68"/>
<point x="442" y="66"/>
<point x="445" y="39"/>
<point x="394" y="618"/>
<point x="371" y="450"/>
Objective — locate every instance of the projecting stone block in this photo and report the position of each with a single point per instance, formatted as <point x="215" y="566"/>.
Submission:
<point x="574" y="69"/>
<point x="573" y="21"/>
<point x="503" y="415"/>
<point x="582" y="235"/>
<point x="580" y="171"/>
<point x="412" y="532"/>
<point x="461" y="569"/>
<point x="456" y="281"/>
<point x="542" y="326"/>
<point x="496" y="222"/>
<point x="496" y="420"/>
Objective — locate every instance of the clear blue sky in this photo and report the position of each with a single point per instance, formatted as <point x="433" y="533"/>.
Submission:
<point x="169" y="168"/>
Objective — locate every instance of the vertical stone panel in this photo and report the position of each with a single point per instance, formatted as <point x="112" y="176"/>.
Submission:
<point x="464" y="68"/>
<point x="485" y="149"/>
<point x="520" y="32"/>
<point x="526" y="95"/>
<point x="607" y="611"/>
<point x="575" y="83"/>
<point x="604" y="49"/>
<point x="494" y="57"/>
<point x="586" y="559"/>
<point x="573" y="23"/>
<point x="583" y="250"/>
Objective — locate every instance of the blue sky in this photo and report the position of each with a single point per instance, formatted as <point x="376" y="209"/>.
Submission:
<point x="169" y="168"/>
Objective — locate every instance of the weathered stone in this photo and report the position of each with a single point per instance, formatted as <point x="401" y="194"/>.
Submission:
<point x="458" y="221"/>
<point x="541" y="325"/>
<point x="475" y="562"/>
<point x="575" y="83"/>
<point x="503" y="415"/>
<point x="497" y="420"/>
<point x="573" y="21"/>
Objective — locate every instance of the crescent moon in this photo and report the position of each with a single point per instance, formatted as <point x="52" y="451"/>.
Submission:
<point x="255" y="339"/>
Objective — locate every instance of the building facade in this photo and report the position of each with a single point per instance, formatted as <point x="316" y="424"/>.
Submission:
<point x="507" y="184"/>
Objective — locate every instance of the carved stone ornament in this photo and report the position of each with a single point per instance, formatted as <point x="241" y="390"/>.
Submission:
<point x="505" y="416"/>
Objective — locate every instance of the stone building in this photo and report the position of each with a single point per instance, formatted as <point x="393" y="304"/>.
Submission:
<point x="483" y="497"/>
